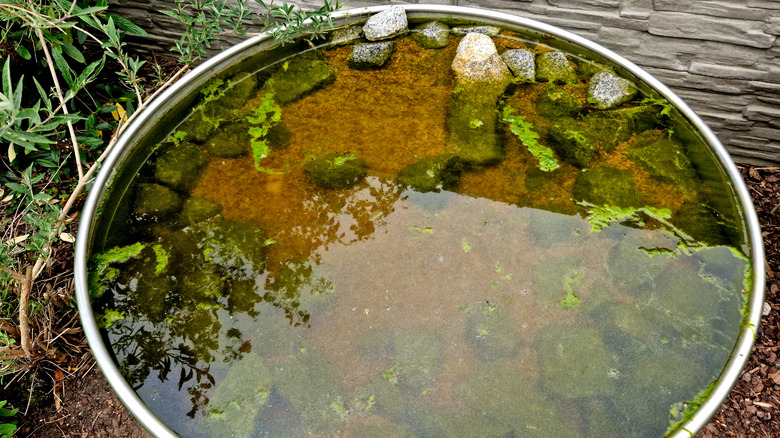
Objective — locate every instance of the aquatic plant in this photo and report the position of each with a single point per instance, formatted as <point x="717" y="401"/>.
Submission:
<point x="264" y="116"/>
<point x="524" y="131"/>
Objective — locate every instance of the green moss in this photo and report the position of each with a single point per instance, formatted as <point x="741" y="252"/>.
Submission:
<point x="557" y="102"/>
<point x="179" y="165"/>
<point x="665" y="160"/>
<point x="524" y="131"/>
<point x="685" y="411"/>
<point x="303" y="74"/>
<point x="610" y="128"/>
<point x="154" y="202"/>
<point x="163" y="258"/>
<point x="263" y="118"/>
<point x="491" y="334"/>
<point x="604" y="215"/>
<point x="572" y="142"/>
<point x="418" y="353"/>
<point x="238" y="400"/>
<point x="575" y="362"/>
<point x="508" y="398"/>
<point x="336" y="171"/>
<point x="100" y="272"/>
<point x="476" y="144"/>
<point x="108" y="317"/>
<point x="196" y="210"/>
<point x="308" y="382"/>
<point x="607" y="186"/>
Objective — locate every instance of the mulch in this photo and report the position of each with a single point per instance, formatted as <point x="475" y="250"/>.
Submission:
<point x="89" y="408"/>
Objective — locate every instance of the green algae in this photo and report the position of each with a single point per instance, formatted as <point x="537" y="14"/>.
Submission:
<point x="262" y="118"/>
<point x="607" y="186"/>
<point x="336" y="171"/>
<point x="524" y="131"/>
<point x="602" y="216"/>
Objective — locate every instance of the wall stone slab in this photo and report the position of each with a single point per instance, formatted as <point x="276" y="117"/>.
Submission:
<point x="721" y="56"/>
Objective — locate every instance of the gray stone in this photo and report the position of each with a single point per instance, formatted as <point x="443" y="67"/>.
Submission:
<point x="432" y="35"/>
<point x="370" y="55"/>
<point x="490" y="31"/>
<point x="477" y="60"/>
<point x="555" y="67"/>
<point x="586" y="4"/>
<point x="387" y="24"/>
<point x="522" y="63"/>
<point x="347" y="35"/>
<point x="607" y="90"/>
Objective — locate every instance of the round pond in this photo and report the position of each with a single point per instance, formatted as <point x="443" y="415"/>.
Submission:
<point x="473" y="225"/>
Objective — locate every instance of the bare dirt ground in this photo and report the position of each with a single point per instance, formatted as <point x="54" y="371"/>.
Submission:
<point x="88" y="408"/>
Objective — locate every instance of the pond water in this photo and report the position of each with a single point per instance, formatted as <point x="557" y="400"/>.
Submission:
<point x="317" y="260"/>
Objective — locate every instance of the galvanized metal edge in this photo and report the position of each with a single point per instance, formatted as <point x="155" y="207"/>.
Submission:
<point x="201" y="74"/>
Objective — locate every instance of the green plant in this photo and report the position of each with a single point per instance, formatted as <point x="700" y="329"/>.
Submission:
<point x="59" y="123"/>
<point x="207" y="20"/>
<point x="524" y="131"/>
<point x="7" y="429"/>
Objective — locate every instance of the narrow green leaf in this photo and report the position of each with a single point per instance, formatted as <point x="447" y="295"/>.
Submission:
<point x="7" y="84"/>
<point x="127" y="25"/>
<point x="72" y="51"/>
<point x="23" y="52"/>
<point x="62" y="66"/>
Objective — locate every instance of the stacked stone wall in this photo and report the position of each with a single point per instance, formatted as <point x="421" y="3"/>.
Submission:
<point x="721" y="56"/>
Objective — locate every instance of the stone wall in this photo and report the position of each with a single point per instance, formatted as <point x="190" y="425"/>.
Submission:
<point x="721" y="56"/>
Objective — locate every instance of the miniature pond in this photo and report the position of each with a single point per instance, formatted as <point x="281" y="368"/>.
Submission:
<point x="338" y="247"/>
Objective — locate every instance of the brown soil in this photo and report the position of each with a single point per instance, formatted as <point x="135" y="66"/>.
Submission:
<point x="89" y="408"/>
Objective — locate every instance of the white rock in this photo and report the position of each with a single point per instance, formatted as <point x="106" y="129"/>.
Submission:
<point x="477" y="60"/>
<point x="607" y="90"/>
<point x="387" y="24"/>
<point x="521" y="62"/>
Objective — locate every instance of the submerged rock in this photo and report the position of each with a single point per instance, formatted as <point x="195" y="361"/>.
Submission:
<point x="477" y="60"/>
<point x="387" y="24"/>
<point x="569" y="139"/>
<point x="490" y="333"/>
<point x="347" y="35"/>
<point x="299" y="289"/>
<point x="655" y="383"/>
<point x="490" y="31"/>
<point x="630" y="264"/>
<point x="575" y="362"/>
<point x="336" y="171"/>
<point x="700" y="221"/>
<point x="298" y="77"/>
<point x="472" y="120"/>
<point x="432" y="421"/>
<point x="432" y="35"/>
<point x="666" y="161"/>
<point x="607" y="90"/>
<point x="548" y="227"/>
<point x="308" y="382"/>
<point x="154" y="202"/>
<point x="418" y="355"/>
<point x="180" y="165"/>
<point x="586" y="69"/>
<point x="555" y="67"/>
<point x="557" y="102"/>
<point x="472" y="116"/>
<point x="236" y="247"/>
<point x="383" y="431"/>
<point x="509" y="398"/>
<point x="370" y="55"/>
<point x="239" y="90"/>
<point x="238" y="400"/>
<point x="609" y="128"/>
<point x="607" y="186"/>
<point x="522" y="64"/>
<point x="432" y="174"/>
<point x="227" y="144"/>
